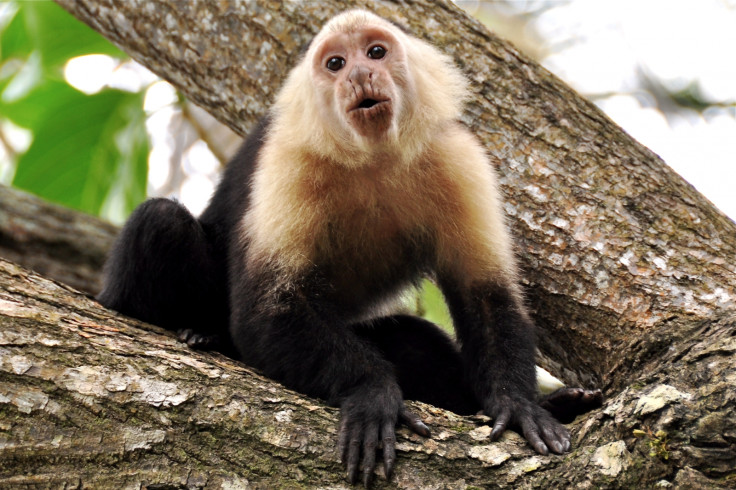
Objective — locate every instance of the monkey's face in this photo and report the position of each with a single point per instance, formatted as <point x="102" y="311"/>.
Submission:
<point x="360" y="75"/>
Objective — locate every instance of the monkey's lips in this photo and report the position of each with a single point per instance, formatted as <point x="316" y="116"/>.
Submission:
<point x="371" y="117"/>
<point x="369" y="105"/>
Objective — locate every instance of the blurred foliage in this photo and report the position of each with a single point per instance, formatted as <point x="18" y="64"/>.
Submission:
<point x="86" y="150"/>
<point x="431" y="306"/>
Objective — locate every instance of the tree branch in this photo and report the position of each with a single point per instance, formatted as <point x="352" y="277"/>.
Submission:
<point x="126" y="403"/>
<point x="60" y="243"/>
<point x="91" y="398"/>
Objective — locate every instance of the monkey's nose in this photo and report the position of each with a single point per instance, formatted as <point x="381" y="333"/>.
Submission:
<point x="360" y="74"/>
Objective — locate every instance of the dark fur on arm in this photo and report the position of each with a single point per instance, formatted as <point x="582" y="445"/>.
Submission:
<point x="300" y="338"/>
<point x="497" y="346"/>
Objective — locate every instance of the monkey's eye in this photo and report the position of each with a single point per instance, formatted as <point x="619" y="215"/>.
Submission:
<point x="377" y="52"/>
<point x="335" y="63"/>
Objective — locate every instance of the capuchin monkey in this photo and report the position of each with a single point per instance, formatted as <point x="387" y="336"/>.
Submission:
<point x="359" y="182"/>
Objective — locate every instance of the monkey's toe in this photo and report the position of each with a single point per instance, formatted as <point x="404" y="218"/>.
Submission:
<point x="198" y="341"/>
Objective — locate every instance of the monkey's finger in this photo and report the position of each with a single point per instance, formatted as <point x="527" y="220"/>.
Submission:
<point x="531" y="433"/>
<point x="342" y="440"/>
<point x="184" y="334"/>
<point x="594" y="396"/>
<point x="388" y="437"/>
<point x="556" y="436"/>
<point x="369" y="453"/>
<point x="502" y="421"/>
<point x="353" y="453"/>
<point x="203" y="342"/>
<point x="414" y="423"/>
<point x="352" y="461"/>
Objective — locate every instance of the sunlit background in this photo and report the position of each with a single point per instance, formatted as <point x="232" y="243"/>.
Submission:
<point x="665" y="70"/>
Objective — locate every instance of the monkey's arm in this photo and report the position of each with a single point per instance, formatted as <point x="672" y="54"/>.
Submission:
<point x="497" y="345"/>
<point x="297" y="337"/>
<point x="477" y="273"/>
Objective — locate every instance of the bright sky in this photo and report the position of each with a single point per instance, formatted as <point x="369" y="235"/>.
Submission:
<point x="679" y="43"/>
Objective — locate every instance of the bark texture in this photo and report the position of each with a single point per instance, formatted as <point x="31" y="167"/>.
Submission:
<point x="629" y="272"/>
<point x="91" y="399"/>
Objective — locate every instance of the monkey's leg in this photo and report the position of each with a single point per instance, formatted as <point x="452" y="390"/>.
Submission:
<point x="428" y="364"/>
<point x="161" y="271"/>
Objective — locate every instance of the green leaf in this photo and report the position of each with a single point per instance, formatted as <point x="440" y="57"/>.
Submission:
<point x="85" y="148"/>
<point x="14" y="39"/>
<point x="433" y="306"/>
<point x="88" y="152"/>
<point x="48" y="28"/>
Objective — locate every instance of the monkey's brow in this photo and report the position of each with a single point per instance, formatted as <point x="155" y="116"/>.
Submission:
<point x="305" y="47"/>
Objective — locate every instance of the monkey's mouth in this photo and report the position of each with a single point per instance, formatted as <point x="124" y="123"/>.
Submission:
<point x="367" y="104"/>
<point x="371" y="117"/>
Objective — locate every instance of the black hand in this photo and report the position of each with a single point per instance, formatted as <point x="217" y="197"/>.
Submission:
<point x="368" y="415"/>
<point x="536" y="424"/>
<point x="198" y="341"/>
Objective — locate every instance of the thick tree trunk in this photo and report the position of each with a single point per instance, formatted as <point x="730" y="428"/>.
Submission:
<point x="629" y="272"/>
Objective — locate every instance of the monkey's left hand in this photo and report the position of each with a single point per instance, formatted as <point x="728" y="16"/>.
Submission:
<point x="538" y="426"/>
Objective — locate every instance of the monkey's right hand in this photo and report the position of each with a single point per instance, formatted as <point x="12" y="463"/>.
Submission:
<point x="367" y="416"/>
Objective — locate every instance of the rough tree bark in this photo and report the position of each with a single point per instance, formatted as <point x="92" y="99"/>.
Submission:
<point x="628" y="270"/>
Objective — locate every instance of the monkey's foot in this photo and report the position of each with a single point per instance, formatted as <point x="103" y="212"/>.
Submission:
<point x="198" y="341"/>
<point x="567" y="403"/>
